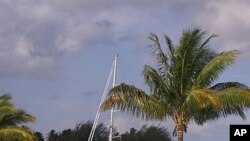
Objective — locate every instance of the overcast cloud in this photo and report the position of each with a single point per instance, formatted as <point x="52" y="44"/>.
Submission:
<point x="36" y="33"/>
<point x="230" y="20"/>
<point x="42" y="42"/>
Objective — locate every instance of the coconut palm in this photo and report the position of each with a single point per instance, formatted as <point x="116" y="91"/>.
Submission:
<point x="181" y="86"/>
<point x="11" y="120"/>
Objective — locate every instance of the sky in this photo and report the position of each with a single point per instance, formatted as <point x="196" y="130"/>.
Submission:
<point x="55" y="55"/>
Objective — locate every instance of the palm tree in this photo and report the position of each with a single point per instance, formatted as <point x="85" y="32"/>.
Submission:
<point x="11" y="120"/>
<point x="181" y="86"/>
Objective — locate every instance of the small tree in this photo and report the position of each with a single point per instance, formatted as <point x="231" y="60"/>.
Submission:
<point x="39" y="136"/>
<point x="52" y="135"/>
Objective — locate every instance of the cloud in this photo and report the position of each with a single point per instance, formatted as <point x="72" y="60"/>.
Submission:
<point x="34" y="35"/>
<point x="23" y="41"/>
<point x="230" y="20"/>
<point x="186" y="5"/>
<point x="20" y="58"/>
<point x="96" y="4"/>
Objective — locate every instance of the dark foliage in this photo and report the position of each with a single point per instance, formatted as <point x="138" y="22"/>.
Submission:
<point x="39" y="136"/>
<point x="147" y="134"/>
<point x="81" y="133"/>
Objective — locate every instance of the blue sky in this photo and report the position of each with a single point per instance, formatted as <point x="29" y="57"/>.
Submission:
<point x="55" y="55"/>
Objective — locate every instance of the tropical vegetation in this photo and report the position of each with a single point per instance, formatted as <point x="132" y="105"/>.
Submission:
<point x="82" y="131"/>
<point x="182" y="85"/>
<point x="147" y="134"/>
<point x="12" y="120"/>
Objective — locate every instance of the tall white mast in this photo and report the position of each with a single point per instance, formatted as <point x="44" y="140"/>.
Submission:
<point x="112" y="109"/>
<point x="112" y="71"/>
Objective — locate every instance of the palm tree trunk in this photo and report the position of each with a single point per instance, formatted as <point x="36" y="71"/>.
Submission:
<point x="180" y="134"/>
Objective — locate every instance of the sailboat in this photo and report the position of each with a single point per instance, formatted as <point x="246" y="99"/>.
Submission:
<point x="112" y="73"/>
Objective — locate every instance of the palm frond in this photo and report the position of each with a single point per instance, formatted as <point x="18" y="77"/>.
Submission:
<point x="161" y="57"/>
<point x="199" y="99"/>
<point x="222" y="86"/>
<point x="170" y="46"/>
<point x="191" y="39"/>
<point x="205" y="114"/>
<point x="6" y="110"/>
<point x="188" y="58"/>
<point x="204" y="44"/>
<point x="215" y="67"/>
<point x="15" y="134"/>
<point x="234" y="101"/>
<point x="16" y="118"/>
<point x="5" y="98"/>
<point x="134" y="101"/>
<point x="155" y="82"/>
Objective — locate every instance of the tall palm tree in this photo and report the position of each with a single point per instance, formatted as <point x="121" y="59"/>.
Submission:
<point x="181" y="86"/>
<point x="11" y="120"/>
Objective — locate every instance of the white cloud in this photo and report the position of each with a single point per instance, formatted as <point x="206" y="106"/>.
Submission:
<point x="230" y="20"/>
<point x="18" y="58"/>
<point x="23" y="47"/>
<point x="36" y="33"/>
<point x="32" y="34"/>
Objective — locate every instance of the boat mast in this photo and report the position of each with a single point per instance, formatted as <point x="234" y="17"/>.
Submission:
<point x="112" y="72"/>
<point x="112" y="109"/>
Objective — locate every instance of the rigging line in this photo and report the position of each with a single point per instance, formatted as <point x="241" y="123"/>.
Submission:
<point x="102" y="99"/>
